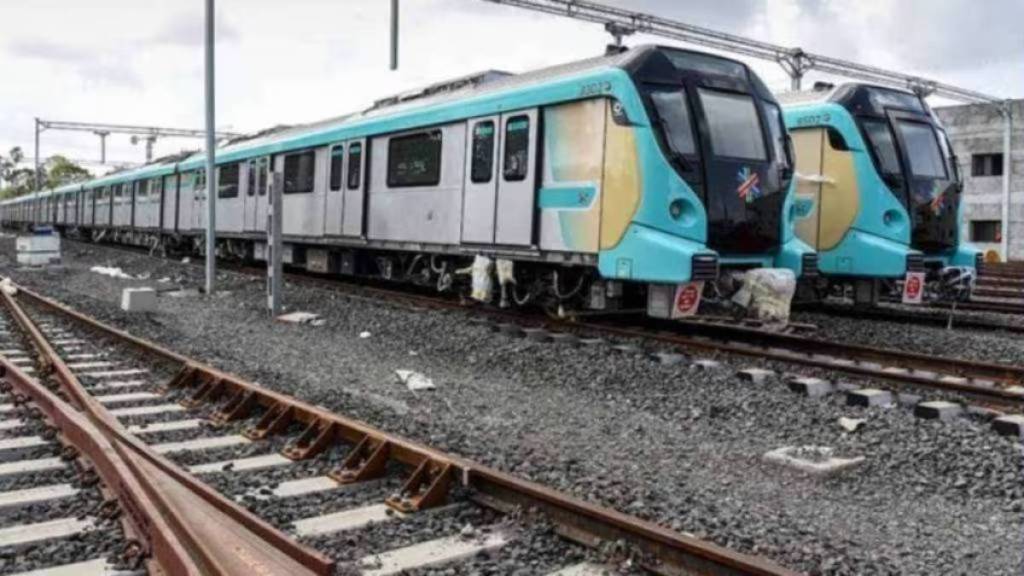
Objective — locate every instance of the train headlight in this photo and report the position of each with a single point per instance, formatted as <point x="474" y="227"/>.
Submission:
<point x="675" y="209"/>
<point x="892" y="219"/>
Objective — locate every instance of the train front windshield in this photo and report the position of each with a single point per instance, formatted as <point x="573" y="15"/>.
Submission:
<point x="914" y="159"/>
<point x="723" y="130"/>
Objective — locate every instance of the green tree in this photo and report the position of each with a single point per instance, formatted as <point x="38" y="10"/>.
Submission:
<point x="59" y="171"/>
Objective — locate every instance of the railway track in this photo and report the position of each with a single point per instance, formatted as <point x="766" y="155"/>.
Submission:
<point x="909" y="317"/>
<point x="998" y="386"/>
<point x="322" y="492"/>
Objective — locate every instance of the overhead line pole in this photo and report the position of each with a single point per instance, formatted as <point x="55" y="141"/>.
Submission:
<point x="211" y="151"/>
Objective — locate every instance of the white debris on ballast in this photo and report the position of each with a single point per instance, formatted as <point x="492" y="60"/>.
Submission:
<point x="112" y="271"/>
<point x="851" y="424"/>
<point x="302" y="318"/>
<point x="414" y="381"/>
<point x="364" y="334"/>
<point x="8" y="287"/>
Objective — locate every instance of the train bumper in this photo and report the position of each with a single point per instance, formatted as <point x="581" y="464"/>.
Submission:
<point x="965" y="256"/>
<point x="798" y="256"/>
<point x="868" y="256"/>
<point x="649" y="255"/>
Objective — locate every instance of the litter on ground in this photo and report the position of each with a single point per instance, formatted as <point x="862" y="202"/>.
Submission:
<point x="414" y="381"/>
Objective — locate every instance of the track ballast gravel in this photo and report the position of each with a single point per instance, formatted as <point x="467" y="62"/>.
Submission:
<point x="679" y="447"/>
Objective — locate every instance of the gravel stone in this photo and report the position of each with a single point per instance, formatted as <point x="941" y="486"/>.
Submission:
<point x="677" y="447"/>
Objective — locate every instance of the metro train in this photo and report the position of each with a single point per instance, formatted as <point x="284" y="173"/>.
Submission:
<point x="626" y="179"/>
<point x="877" y="171"/>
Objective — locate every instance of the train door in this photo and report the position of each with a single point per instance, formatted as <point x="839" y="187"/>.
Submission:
<point x="827" y="179"/>
<point x="480" y="190"/>
<point x="808" y="145"/>
<point x="249" y="207"/>
<point x="354" y="201"/>
<point x="335" y="196"/>
<point x="199" y="201"/>
<point x="517" y="181"/>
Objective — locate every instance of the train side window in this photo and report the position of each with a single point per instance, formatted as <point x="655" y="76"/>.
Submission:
<point x="882" y="143"/>
<point x="227" y="181"/>
<point x="516" y="162"/>
<point x="674" y="115"/>
<point x="142" y="188"/>
<point x="355" y="166"/>
<point x="415" y="160"/>
<point x="337" y="157"/>
<point x="778" y="133"/>
<point x="299" y="172"/>
<point x="482" y="168"/>
<point x="733" y="124"/>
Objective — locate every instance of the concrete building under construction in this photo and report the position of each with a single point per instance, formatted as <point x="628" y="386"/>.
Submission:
<point x="978" y="135"/>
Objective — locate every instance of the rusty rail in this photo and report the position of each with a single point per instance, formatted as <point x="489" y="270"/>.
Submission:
<point x="219" y="536"/>
<point x="669" y="552"/>
<point x="144" y="522"/>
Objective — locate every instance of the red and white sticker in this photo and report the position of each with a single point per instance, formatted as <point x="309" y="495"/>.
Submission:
<point x="687" y="299"/>
<point x="913" y="288"/>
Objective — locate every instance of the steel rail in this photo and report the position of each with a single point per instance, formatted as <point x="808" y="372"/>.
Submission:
<point x="670" y="553"/>
<point x="142" y="519"/>
<point x="896" y="315"/>
<point x="221" y="537"/>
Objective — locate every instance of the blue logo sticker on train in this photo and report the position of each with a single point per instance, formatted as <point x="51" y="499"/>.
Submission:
<point x="750" y="185"/>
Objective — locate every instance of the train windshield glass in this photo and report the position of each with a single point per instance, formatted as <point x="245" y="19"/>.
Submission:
<point x="883" y="145"/>
<point x="706" y="64"/>
<point x="675" y="119"/>
<point x="923" y="153"/>
<point x="733" y="124"/>
<point x="779" y="141"/>
<point x="947" y="153"/>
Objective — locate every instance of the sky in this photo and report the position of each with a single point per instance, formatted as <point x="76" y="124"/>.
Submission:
<point x="141" y="61"/>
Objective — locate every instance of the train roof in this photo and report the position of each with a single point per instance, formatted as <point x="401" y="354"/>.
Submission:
<point x="824" y="93"/>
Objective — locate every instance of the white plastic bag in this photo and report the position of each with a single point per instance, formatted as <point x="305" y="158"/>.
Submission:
<point x="767" y="294"/>
<point x="483" y="284"/>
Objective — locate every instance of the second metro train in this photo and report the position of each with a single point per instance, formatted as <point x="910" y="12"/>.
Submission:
<point x="621" y="179"/>
<point x="876" y="168"/>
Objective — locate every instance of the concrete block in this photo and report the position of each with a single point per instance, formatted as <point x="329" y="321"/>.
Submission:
<point x="704" y="364"/>
<point x="138" y="300"/>
<point x="38" y="258"/>
<point x="938" y="410"/>
<point x="810" y="387"/>
<point x="811" y="460"/>
<point x="755" y="375"/>
<point x="38" y="243"/>
<point x="1012" y="426"/>
<point x="869" y="397"/>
